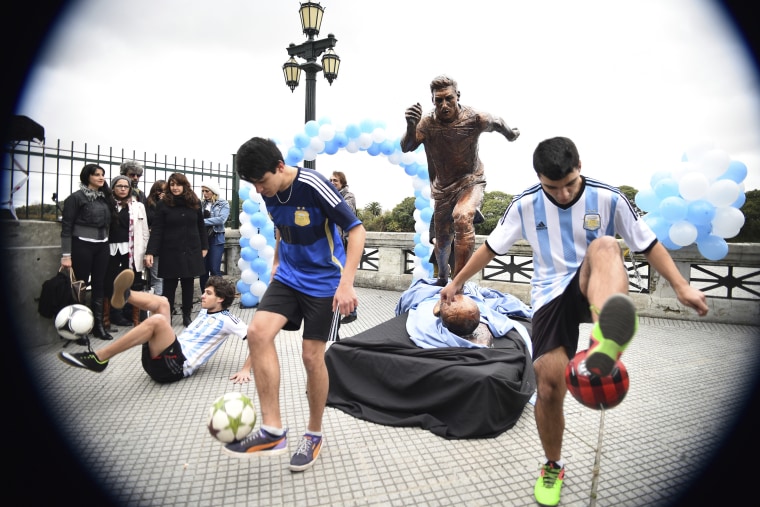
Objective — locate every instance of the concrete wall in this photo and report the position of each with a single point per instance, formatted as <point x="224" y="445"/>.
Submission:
<point x="31" y="254"/>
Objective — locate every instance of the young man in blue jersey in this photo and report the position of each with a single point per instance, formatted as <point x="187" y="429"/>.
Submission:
<point x="167" y="357"/>
<point x="312" y="282"/>
<point x="579" y="276"/>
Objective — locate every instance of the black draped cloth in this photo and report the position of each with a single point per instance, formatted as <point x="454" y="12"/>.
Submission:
<point x="381" y="376"/>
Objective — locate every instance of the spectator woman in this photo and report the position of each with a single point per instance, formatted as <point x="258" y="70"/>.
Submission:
<point x="84" y="237"/>
<point x="127" y="240"/>
<point x="215" y="213"/>
<point x="178" y="236"/>
<point x="157" y="192"/>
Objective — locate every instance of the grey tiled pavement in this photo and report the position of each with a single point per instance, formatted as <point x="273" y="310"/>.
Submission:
<point x="147" y="444"/>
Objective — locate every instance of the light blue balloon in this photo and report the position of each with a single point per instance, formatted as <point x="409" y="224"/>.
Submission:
<point x="259" y="266"/>
<point x="387" y="148"/>
<point x="294" y="156"/>
<point x="311" y="128"/>
<point x="248" y="254"/>
<point x="658" y="225"/>
<point x="374" y="149"/>
<point x="331" y="147"/>
<point x="713" y="247"/>
<point x="421" y="203"/>
<point x="647" y="200"/>
<point x="340" y="139"/>
<point x="411" y="169"/>
<point x="739" y="202"/>
<point x="666" y="187"/>
<point x="250" y="206"/>
<point x="242" y="287"/>
<point x="421" y="250"/>
<point x="736" y="171"/>
<point x="417" y="237"/>
<point x="422" y="172"/>
<point x="244" y="242"/>
<point x="353" y="131"/>
<point x="325" y="120"/>
<point x="248" y="300"/>
<point x="669" y="244"/>
<point x="258" y="219"/>
<point x="367" y="126"/>
<point x="703" y="231"/>
<point x="301" y="140"/>
<point x="700" y="212"/>
<point x="426" y="214"/>
<point x="673" y="209"/>
<point x="244" y="193"/>
<point x="656" y="177"/>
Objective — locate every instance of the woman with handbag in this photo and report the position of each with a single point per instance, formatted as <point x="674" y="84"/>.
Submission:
<point x="84" y="237"/>
<point x="127" y="239"/>
<point x="178" y="237"/>
<point x="215" y="213"/>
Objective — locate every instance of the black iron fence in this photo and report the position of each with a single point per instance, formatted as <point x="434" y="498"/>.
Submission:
<point x="36" y="177"/>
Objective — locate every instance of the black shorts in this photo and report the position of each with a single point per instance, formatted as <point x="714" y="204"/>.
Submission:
<point x="316" y="313"/>
<point x="167" y="366"/>
<point x="556" y="323"/>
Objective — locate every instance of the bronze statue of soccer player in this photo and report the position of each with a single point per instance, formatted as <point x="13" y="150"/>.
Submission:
<point x="457" y="180"/>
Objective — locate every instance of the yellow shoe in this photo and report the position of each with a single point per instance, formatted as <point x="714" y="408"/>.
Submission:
<point x="549" y="484"/>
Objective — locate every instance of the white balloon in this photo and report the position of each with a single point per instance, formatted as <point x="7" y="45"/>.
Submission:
<point x="425" y="237"/>
<point x="317" y="144"/>
<point x="395" y="157"/>
<point x="683" y="233"/>
<point x="727" y="222"/>
<point x="723" y="193"/>
<point x="244" y="217"/>
<point x="695" y="152"/>
<point x="420" y="226"/>
<point x="267" y="252"/>
<point x="364" y="141"/>
<point x="258" y="241"/>
<point x="378" y="135"/>
<point x="425" y="191"/>
<point x="309" y="154"/>
<point x="418" y="183"/>
<point x="326" y="132"/>
<point x="416" y="215"/>
<point x="407" y="158"/>
<point x="693" y="186"/>
<point x="249" y="276"/>
<point x="243" y="264"/>
<point x="420" y="272"/>
<point x="247" y="229"/>
<point x="258" y="288"/>
<point x="714" y="163"/>
<point x="352" y="146"/>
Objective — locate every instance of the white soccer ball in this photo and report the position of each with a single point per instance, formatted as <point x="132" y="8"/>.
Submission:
<point x="74" y="321"/>
<point x="231" y="417"/>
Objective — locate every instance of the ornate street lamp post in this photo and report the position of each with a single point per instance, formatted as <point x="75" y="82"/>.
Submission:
<point x="311" y="21"/>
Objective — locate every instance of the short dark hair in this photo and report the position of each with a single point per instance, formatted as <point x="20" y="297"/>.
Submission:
<point x="256" y="157"/>
<point x="555" y="158"/>
<point x="223" y="289"/>
<point x="441" y="82"/>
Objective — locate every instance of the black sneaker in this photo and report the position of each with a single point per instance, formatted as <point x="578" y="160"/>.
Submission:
<point x="258" y="443"/>
<point x="87" y="360"/>
<point x="307" y="453"/>
<point x="121" y="285"/>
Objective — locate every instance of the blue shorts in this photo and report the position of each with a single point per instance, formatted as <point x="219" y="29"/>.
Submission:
<point x="316" y="313"/>
<point x="556" y="323"/>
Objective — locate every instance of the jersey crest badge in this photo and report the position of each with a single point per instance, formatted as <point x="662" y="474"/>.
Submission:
<point x="302" y="218"/>
<point x="592" y="221"/>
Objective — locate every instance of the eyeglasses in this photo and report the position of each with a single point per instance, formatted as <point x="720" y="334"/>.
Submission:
<point x="121" y="186"/>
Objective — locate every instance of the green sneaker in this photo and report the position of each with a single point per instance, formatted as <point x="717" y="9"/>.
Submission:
<point x="611" y="334"/>
<point x="86" y="360"/>
<point x="549" y="484"/>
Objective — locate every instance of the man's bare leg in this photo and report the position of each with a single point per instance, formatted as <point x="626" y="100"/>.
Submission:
<point x="266" y="365"/>
<point x="317" y="381"/>
<point x="550" y="417"/>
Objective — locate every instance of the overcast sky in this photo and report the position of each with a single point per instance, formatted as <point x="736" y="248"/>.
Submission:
<point x="633" y="83"/>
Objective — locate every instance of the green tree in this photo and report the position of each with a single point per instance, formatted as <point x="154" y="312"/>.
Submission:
<point x="401" y="218"/>
<point x="374" y="209"/>
<point x="493" y="207"/>
<point x="630" y="193"/>
<point x="750" y="231"/>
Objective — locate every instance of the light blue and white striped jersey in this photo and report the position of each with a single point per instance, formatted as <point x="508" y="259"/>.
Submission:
<point x="203" y="337"/>
<point x="560" y="236"/>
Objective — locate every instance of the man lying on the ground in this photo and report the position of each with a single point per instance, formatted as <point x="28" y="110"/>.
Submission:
<point x="165" y="356"/>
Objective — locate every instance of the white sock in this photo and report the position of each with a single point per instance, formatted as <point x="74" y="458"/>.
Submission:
<point x="278" y="432"/>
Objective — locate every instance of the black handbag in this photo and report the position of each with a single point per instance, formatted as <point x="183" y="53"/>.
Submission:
<point x="61" y="290"/>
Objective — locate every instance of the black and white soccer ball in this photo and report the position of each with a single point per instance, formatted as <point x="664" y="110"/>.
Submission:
<point x="74" y="321"/>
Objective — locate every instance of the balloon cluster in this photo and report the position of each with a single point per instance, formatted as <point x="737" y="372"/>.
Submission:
<point x="318" y="137"/>
<point x="699" y="202"/>
<point x="256" y="247"/>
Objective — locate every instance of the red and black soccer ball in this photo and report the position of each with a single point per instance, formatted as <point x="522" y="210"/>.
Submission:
<point x="595" y="391"/>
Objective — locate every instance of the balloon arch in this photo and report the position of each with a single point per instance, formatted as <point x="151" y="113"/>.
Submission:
<point x="317" y="137"/>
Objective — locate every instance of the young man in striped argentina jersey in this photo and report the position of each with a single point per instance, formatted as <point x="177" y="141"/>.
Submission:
<point x="312" y="282"/>
<point x="579" y="276"/>
<point x="167" y="357"/>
